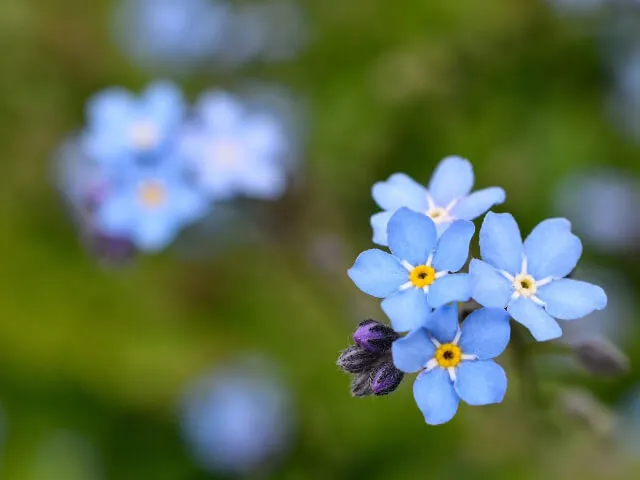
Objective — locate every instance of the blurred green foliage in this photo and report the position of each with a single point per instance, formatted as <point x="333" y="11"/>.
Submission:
<point x="104" y="353"/>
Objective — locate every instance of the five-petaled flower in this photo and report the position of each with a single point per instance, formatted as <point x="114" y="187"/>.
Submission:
<point x="528" y="279"/>
<point x="455" y="362"/>
<point x="418" y="275"/>
<point x="445" y="200"/>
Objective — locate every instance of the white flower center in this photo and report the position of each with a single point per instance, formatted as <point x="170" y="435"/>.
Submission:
<point x="144" y="135"/>
<point x="225" y="154"/>
<point x="439" y="215"/>
<point x="525" y="285"/>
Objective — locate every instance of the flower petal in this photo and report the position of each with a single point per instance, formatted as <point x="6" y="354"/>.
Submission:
<point x="378" y="273"/>
<point x="411" y="353"/>
<point x="485" y="333"/>
<point x="542" y="326"/>
<point x="450" y="288"/>
<point x="568" y="299"/>
<point x="435" y="396"/>
<point x="412" y="236"/>
<point x="488" y="286"/>
<point x="398" y="191"/>
<point x="452" y="249"/>
<point x="480" y="382"/>
<point x="551" y="249"/>
<point x="478" y="203"/>
<point x="379" y="222"/>
<point x="163" y="103"/>
<point x="407" y="310"/>
<point x="443" y="324"/>
<point x="154" y="232"/>
<point x="452" y="179"/>
<point x="501" y="243"/>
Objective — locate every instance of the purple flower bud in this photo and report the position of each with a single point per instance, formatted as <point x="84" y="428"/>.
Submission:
<point x="361" y="385"/>
<point x="385" y="379"/>
<point x="112" y="251"/>
<point x="356" y="360"/>
<point x="374" y="336"/>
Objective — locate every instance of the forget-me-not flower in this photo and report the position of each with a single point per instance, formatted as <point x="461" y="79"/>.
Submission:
<point x="235" y="151"/>
<point x="446" y="199"/>
<point x="150" y="204"/>
<point x="122" y="126"/>
<point x="418" y="274"/>
<point x="528" y="278"/>
<point x="455" y="363"/>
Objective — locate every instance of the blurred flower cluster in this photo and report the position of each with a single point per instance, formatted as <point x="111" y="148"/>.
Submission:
<point x="238" y="418"/>
<point x="145" y="167"/>
<point x="428" y="232"/>
<point x="186" y="35"/>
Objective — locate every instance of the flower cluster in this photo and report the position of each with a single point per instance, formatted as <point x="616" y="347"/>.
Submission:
<point x="428" y="232"/>
<point x="145" y="167"/>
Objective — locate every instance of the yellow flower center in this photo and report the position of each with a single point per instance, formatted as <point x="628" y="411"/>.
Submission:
<point x="422" y="276"/>
<point x="525" y="285"/>
<point x="152" y="193"/>
<point x="438" y="215"/>
<point x="448" y="355"/>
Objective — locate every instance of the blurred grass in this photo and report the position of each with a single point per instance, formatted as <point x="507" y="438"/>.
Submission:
<point x="390" y="88"/>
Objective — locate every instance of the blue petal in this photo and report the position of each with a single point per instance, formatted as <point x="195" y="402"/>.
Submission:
<point x="379" y="223"/>
<point x="111" y="107"/>
<point x="378" y="273"/>
<point x="481" y="382"/>
<point x="411" y="353"/>
<point x="164" y="102"/>
<point x="400" y="191"/>
<point x="568" y="299"/>
<point x="435" y="396"/>
<point x="452" y="179"/>
<point x="452" y="249"/>
<point x="443" y="324"/>
<point x="552" y="250"/>
<point x="407" y="310"/>
<point x="116" y="215"/>
<point x="154" y="232"/>
<point x="220" y="111"/>
<point x="478" y="203"/>
<point x="489" y="287"/>
<point x="485" y="333"/>
<point x="412" y="236"/>
<point x="450" y="288"/>
<point x="188" y="205"/>
<point x="500" y="242"/>
<point x="542" y="326"/>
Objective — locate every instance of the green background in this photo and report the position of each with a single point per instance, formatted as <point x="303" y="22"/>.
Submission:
<point x="389" y="86"/>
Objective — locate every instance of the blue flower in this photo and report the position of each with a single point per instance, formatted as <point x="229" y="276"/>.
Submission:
<point x="455" y="362"/>
<point x="235" y="151"/>
<point x="417" y="277"/>
<point x="447" y="199"/>
<point x="122" y="126"/>
<point x="529" y="279"/>
<point x="150" y="204"/>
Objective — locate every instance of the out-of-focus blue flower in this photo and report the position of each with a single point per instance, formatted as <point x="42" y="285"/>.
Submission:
<point x="624" y="99"/>
<point x="237" y="419"/>
<point x="445" y="200"/>
<point x="234" y="151"/>
<point x="150" y="204"/>
<point x="121" y="126"/>
<point x="172" y="34"/>
<point x="578" y="6"/>
<point x="455" y="362"/>
<point x="528" y="278"/>
<point x="417" y="276"/>
<point x="612" y="197"/>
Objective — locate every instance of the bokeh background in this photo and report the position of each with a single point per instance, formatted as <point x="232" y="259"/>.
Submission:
<point x="542" y="96"/>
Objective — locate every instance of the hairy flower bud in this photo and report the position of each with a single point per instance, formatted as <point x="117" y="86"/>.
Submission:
<point x="601" y="357"/>
<point x="374" y="336"/>
<point x="356" y="360"/>
<point x="361" y="385"/>
<point x="385" y="379"/>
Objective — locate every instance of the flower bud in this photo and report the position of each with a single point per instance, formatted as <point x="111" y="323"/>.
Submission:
<point x="374" y="336"/>
<point x="356" y="360"/>
<point x="109" y="250"/>
<point x="385" y="379"/>
<point x="361" y="385"/>
<point x="601" y="357"/>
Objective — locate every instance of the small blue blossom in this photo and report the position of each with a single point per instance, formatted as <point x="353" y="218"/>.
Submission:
<point x="234" y="151"/>
<point x="418" y="274"/>
<point x="455" y="363"/>
<point x="528" y="279"/>
<point x="445" y="200"/>
<point x="122" y="126"/>
<point x="150" y="204"/>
